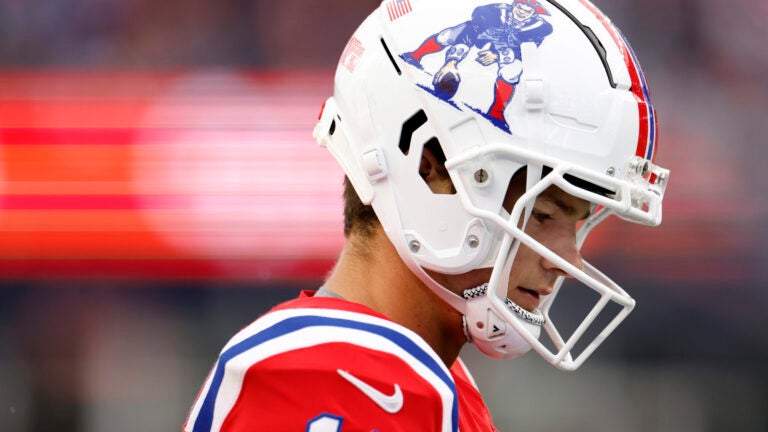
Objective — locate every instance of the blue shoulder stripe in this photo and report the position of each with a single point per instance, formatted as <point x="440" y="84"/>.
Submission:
<point x="205" y="417"/>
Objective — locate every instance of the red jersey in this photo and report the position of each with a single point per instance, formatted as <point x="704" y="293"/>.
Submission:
<point x="322" y="364"/>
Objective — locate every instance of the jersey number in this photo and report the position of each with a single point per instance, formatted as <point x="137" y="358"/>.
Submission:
<point x="325" y="423"/>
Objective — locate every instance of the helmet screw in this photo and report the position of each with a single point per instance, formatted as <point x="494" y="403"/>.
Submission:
<point x="473" y="241"/>
<point x="481" y="176"/>
<point x="414" y="246"/>
<point x="611" y="171"/>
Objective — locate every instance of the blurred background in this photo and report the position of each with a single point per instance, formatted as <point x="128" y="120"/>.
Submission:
<point x="160" y="189"/>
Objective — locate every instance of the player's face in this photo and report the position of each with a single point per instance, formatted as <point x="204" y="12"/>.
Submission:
<point x="523" y="12"/>
<point x="554" y="221"/>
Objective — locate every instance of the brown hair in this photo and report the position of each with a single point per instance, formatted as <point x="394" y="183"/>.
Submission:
<point x="358" y="217"/>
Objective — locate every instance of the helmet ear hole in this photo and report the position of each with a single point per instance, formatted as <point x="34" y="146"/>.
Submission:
<point x="432" y="157"/>
<point x="432" y="169"/>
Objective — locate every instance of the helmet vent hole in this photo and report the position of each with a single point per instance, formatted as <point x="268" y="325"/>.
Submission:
<point x="433" y="145"/>
<point x="409" y="127"/>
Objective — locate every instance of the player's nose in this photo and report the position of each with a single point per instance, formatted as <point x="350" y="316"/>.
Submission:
<point x="568" y="250"/>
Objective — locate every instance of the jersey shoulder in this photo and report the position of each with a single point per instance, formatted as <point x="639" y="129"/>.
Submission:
<point x="324" y="360"/>
<point x="474" y="414"/>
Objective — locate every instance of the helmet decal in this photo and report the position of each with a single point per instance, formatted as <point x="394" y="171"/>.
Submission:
<point x="496" y="31"/>
<point x="535" y="5"/>
<point x="398" y="8"/>
<point x="352" y="54"/>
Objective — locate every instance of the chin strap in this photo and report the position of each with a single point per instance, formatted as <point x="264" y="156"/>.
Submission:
<point x="535" y="317"/>
<point x="490" y="333"/>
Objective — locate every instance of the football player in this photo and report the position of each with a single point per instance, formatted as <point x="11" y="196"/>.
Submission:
<point x="457" y="231"/>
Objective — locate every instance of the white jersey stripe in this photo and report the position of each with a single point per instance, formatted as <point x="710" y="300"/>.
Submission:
<point x="273" y="318"/>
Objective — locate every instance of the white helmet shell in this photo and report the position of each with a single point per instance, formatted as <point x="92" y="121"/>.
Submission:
<point x="550" y="86"/>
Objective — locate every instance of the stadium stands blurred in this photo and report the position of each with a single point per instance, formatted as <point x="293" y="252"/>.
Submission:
<point x="160" y="188"/>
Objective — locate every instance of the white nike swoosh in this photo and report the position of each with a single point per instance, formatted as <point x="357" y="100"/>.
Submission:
<point x="391" y="404"/>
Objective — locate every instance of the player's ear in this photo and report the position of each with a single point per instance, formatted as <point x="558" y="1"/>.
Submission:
<point x="432" y="171"/>
<point x="427" y="164"/>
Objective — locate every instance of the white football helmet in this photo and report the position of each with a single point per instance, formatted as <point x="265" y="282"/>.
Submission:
<point x="551" y="86"/>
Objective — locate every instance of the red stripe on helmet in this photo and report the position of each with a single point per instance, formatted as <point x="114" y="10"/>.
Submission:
<point x="643" y="105"/>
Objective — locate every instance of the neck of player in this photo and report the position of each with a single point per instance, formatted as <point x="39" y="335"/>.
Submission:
<point x="371" y="273"/>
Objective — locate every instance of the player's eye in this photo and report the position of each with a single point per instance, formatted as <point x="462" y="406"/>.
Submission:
<point x="540" y="215"/>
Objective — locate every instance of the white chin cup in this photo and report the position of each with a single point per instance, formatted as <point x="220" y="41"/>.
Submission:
<point x="488" y="331"/>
